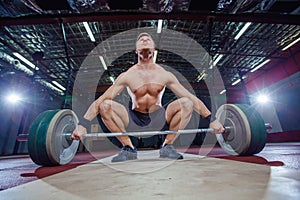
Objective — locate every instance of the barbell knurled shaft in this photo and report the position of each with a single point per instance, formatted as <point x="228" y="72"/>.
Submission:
<point x="147" y="133"/>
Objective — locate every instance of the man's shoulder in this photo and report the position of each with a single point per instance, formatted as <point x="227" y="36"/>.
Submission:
<point x="128" y="72"/>
<point x="132" y="68"/>
<point x="163" y="70"/>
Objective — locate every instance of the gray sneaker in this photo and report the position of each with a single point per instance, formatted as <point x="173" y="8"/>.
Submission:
<point x="127" y="153"/>
<point x="168" y="151"/>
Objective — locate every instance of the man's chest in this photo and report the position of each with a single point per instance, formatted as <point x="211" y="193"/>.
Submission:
<point x="146" y="81"/>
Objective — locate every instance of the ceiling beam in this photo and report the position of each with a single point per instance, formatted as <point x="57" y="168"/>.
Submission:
<point x="271" y="18"/>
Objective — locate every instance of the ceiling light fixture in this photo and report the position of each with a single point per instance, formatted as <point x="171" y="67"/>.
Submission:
<point x="262" y="98"/>
<point x="25" y="60"/>
<point x="112" y="79"/>
<point x="245" y="27"/>
<point x="13" y="98"/>
<point x="223" y="91"/>
<point x="49" y="85"/>
<point x="288" y="46"/>
<point x="159" y="25"/>
<point x="155" y="56"/>
<point x="260" y="65"/>
<point x="59" y="85"/>
<point x="88" y="30"/>
<point x="202" y="76"/>
<point x="217" y="59"/>
<point x="103" y="62"/>
<point x="236" y="82"/>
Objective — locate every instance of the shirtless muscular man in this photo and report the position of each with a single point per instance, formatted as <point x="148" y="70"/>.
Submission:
<point x="145" y="83"/>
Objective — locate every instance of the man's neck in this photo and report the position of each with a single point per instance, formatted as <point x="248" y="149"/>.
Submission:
<point x="148" y="63"/>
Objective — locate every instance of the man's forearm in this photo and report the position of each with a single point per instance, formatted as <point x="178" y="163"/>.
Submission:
<point x="92" y="111"/>
<point x="200" y="107"/>
<point x="204" y="111"/>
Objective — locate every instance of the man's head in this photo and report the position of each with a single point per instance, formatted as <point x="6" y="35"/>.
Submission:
<point x="144" y="41"/>
<point x="143" y="34"/>
<point x="145" y="47"/>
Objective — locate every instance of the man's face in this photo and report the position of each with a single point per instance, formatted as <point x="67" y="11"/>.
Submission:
<point x="145" y="48"/>
<point x="145" y="42"/>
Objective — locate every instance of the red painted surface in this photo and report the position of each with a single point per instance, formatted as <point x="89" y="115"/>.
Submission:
<point x="288" y="136"/>
<point x="273" y="72"/>
<point x="280" y="67"/>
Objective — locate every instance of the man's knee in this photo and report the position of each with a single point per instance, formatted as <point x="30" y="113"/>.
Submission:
<point x="105" y="107"/>
<point x="186" y="104"/>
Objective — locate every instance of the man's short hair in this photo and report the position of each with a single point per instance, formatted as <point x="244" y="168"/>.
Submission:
<point x="143" y="34"/>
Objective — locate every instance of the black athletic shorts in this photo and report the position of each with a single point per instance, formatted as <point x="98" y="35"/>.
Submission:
<point x="138" y="121"/>
<point x="154" y="121"/>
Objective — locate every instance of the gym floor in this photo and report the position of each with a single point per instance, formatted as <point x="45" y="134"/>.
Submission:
<point x="274" y="173"/>
<point x="57" y="55"/>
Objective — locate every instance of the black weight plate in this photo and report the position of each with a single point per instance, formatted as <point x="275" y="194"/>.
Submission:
<point x="258" y="130"/>
<point x="37" y="138"/>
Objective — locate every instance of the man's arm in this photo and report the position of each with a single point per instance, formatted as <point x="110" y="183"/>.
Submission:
<point x="109" y="94"/>
<point x="93" y="110"/>
<point x="178" y="89"/>
<point x="199" y="106"/>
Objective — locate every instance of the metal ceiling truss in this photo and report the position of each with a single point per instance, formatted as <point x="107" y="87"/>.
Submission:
<point x="63" y="39"/>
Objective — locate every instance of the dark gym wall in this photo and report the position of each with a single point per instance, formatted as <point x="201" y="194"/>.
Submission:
<point x="284" y="106"/>
<point x="280" y="80"/>
<point x="287" y="103"/>
<point x="17" y="118"/>
<point x="289" y="118"/>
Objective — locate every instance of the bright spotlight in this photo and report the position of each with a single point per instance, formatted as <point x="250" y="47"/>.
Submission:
<point x="262" y="98"/>
<point x="13" y="98"/>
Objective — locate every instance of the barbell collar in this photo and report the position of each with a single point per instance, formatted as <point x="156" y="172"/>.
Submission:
<point x="268" y="126"/>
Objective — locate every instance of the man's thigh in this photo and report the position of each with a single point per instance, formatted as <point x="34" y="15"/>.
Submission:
<point x="118" y="111"/>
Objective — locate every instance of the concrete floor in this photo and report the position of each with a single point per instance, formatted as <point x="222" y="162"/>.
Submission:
<point x="195" y="177"/>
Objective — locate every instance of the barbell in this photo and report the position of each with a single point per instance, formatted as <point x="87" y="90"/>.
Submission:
<point x="50" y="143"/>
